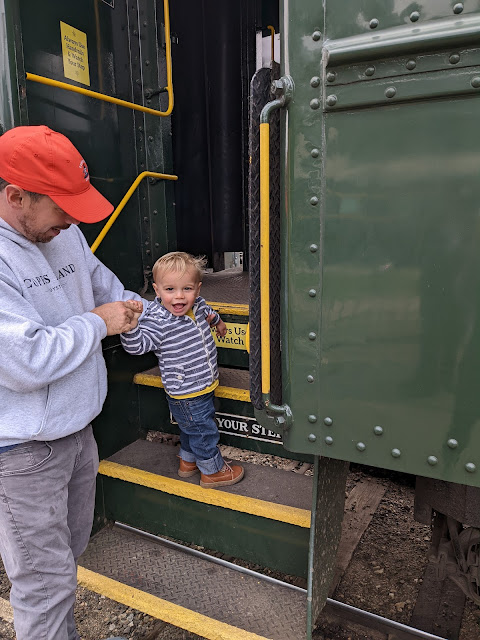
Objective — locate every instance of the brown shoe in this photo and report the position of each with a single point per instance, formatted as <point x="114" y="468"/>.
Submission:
<point x="229" y="474"/>
<point x="187" y="469"/>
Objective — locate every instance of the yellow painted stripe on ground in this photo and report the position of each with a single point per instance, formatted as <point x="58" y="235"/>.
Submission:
<point x="149" y="380"/>
<point x="244" y="504"/>
<point x="161" y="609"/>
<point x="232" y="309"/>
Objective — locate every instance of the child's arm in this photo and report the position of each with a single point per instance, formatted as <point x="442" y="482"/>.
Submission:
<point x="214" y="320"/>
<point x="143" y="338"/>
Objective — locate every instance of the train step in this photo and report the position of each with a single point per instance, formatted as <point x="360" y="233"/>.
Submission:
<point x="234" y="384"/>
<point x="193" y="592"/>
<point x="264" y="519"/>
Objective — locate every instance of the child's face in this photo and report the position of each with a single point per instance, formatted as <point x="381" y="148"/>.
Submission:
<point x="177" y="291"/>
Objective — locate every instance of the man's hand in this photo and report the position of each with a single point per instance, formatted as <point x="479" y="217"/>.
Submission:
<point x="119" y="316"/>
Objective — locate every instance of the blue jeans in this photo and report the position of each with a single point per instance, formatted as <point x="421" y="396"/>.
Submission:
<point x="198" y="431"/>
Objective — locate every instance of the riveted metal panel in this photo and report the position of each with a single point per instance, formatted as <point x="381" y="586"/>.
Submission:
<point x="383" y="361"/>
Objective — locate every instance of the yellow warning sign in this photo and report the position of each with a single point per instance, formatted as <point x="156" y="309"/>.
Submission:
<point x="75" y="54"/>
<point x="235" y="338"/>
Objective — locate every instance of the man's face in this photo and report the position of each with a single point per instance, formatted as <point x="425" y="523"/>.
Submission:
<point x="41" y="220"/>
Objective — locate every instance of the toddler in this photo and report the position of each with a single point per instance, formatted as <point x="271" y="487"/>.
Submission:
<point x="176" y="326"/>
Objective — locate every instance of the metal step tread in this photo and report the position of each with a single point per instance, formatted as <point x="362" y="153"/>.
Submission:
<point x="208" y="599"/>
<point x="233" y="383"/>
<point x="230" y="286"/>
<point x="264" y="491"/>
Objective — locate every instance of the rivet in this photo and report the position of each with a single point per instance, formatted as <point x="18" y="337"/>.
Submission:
<point x="148" y="252"/>
<point x="475" y="82"/>
<point x="312" y="437"/>
<point x="369" y="71"/>
<point x="314" y="200"/>
<point x="328" y="421"/>
<point x="150" y="138"/>
<point x="378" y="430"/>
<point x="414" y="16"/>
<point x="316" y="35"/>
<point x="157" y="244"/>
<point x="361" y="446"/>
<point x="147" y="62"/>
<point x="314" y="104"/>
<point x="396" y="453"/>
<point x="470" y="467"/>
<point x="312" y="418"/>
<point x="312" y="293"/>
<point x="331" y="77"/>
<point x="458" y="8"/>
<point x="145" y="218"/>
<point x="432" y="460"/>
<point x="331" y="100"/>
<point x="390" y="92"/>
<point x="452" y="443"/>
<point x="315" y="81"/>
<point x="373" y="23"/>
<point x="140" y="128"/>
<point x="314" y="153"/>
<point x="313" y="248"/>
<point x="155" y="212"/>
<point x="329" y="440"/>
<point x="312" y="335"/>
<point x="411" y="64"/>
<point x="310" y="378"/>
<point x="454" y="58"/>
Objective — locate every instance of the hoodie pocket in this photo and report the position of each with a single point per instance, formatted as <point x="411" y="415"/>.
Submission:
<point x="174" y="378"/>
<point x="48" y="404"/>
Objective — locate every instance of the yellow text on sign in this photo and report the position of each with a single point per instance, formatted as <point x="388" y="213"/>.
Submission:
<point x="75" y="54"/>
<point x="235" y="338"/>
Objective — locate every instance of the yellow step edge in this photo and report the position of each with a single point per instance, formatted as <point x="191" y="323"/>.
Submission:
<point x="162" y="609"/>
<point x="243" y="504"/>
<point x="149" y="380"/>
<point x="231" y="309"/>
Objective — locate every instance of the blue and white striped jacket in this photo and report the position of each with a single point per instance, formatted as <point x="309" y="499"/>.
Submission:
<point x="186" y="351"/>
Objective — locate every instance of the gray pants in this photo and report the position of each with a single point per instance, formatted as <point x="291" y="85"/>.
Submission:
<point x="47" y="493"/>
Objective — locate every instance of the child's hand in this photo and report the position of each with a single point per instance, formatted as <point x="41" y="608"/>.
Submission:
<point x="221" y="328"/>
<point x="137" y="307"/>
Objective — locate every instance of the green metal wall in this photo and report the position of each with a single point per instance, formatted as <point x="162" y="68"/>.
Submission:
<point x="381" y="194"/>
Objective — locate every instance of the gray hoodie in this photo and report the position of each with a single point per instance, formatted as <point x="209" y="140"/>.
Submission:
<point x="53" y="378"/>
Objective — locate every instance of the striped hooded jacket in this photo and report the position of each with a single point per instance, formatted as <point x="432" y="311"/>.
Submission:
<point x="186" y="351"/>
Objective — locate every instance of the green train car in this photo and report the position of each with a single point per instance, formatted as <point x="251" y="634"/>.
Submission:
<point x="324" y="157"/>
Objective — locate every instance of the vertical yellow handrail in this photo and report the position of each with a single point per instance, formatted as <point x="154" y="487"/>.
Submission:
<point x="125" y="199"/>
<point x="122" y="103"/>
<point x="265" y="254"/>
<point x="272" y="44"/>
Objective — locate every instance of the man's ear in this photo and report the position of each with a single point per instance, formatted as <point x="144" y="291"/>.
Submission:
<point x="15" y="196"/>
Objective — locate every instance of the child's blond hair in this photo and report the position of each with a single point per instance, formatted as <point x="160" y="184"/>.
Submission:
<point x="179" y="262"/>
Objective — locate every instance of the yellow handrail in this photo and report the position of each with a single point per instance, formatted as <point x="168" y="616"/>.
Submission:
<point x="265" y="254"/>
<point x="123" y="103"/>
<point x="272" y="48"/>
<point x="125" y="199"/>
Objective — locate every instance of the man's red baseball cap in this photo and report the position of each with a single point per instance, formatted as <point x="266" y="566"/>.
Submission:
<point x="43" y="161"/>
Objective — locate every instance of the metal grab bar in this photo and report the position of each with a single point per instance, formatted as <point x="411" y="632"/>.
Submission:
<point x="123" y="103"/>
<point x="125" y="199"/>
<point x="272" y="43"/>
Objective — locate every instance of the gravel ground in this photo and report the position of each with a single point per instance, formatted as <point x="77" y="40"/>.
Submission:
<point x="383" y="577"/>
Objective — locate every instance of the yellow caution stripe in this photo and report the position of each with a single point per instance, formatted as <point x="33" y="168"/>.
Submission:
<point x="243" y="504"/>
<point x="161" y="609"/>
<point x="230" y="309"/>
<point x="151" y="380"/>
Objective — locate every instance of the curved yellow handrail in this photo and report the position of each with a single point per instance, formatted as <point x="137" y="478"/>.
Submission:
<point x="265" y="254"/>
<point x="123" y="103"/>
<point x="125" y="199"/>
<point x="272" y="49"/>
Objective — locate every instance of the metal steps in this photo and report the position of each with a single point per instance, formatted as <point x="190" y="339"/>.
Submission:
<point x="264" y="519"/>
<point x="203" y="597"/>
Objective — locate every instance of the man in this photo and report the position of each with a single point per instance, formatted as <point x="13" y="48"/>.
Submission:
<point x="57" y="303"/>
